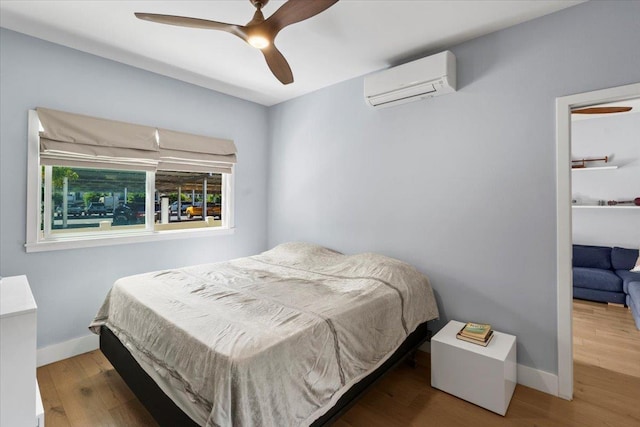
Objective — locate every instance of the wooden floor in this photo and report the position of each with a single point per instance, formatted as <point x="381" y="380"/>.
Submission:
<point x="606" y="336"/>
<point x="85" y="391"/>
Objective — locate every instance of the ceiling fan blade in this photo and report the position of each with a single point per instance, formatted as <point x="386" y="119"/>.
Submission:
<point x="295" y="11"/>
<point x="602" y="110"/>
<point x="183" y="21"/>
<point x="278" y="64"/>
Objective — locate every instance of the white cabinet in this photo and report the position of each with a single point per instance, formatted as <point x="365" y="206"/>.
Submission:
<point x="20" y="403"/>
<point x="485" y="376"/>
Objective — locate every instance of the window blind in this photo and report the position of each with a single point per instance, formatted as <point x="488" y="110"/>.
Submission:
<point x="69" y="139"/>
<point x="193" y="153"/>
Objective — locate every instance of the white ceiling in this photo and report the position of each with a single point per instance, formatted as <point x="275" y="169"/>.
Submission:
<point x="349" y="39"/>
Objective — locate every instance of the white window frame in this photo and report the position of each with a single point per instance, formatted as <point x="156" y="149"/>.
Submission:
<point x="40" y="240"/>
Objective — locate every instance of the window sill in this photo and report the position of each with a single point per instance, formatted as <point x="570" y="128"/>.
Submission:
<point x="121" y="239"/>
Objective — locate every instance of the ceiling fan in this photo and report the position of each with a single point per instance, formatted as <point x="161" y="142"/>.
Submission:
<point x="259" y="32"/>
<point x="602" y="110"/>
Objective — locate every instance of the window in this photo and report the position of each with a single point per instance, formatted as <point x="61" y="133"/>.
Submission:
<point x="84" y="200"/>
<point x="96" y="182"/>
<point x="190" y="194"/>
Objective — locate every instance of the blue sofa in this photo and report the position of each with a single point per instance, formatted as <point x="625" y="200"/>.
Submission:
<point x="602" y="273"/>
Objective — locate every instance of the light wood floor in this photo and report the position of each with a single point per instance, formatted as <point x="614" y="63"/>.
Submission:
<point x="85" y="391"/>
<point x="606" y="336"/>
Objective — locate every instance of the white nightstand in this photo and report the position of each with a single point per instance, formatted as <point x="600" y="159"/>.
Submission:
<point x="485" y="376"/>
<point x="20" y="403"/>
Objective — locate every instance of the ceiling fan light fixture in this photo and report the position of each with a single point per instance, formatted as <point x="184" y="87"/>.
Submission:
<point x="259" y="32"/>
<point x="258" y="41"/>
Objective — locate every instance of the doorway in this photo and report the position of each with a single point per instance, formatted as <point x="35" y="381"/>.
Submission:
<point x="564" y="237"/>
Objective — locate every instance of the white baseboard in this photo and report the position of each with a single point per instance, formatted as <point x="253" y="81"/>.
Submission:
<point x="64" y="350"/>
<point x="543" y="381"/>
<point x="528" y="377"/>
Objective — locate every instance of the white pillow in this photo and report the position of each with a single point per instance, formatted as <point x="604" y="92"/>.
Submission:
<point x="637" y="267"/>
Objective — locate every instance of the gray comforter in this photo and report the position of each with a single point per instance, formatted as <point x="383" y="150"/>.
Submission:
<point x="268" y="340"/>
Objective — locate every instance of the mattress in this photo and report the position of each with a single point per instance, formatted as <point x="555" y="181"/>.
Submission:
<point x="269" y="340"/>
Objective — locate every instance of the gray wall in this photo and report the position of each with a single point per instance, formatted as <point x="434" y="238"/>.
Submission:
<point x="462" y="186"/>
<point x="70" y="285"/>
<point x="616" y="136"/>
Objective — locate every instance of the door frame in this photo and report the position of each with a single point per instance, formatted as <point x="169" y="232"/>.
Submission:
<point x="564" y="238"/>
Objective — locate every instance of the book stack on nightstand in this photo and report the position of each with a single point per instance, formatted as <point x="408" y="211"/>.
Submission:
<point x="477" y="333"/>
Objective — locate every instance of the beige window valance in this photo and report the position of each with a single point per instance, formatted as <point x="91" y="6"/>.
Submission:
<point x="193" y="153"/>
<point x="69" y="139"/>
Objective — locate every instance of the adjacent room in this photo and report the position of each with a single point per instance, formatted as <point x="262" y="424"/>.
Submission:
<point x="605" y="193"/>
<point x="319" y="212"/>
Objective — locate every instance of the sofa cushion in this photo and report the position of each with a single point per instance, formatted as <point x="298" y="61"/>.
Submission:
<point x="623" y="259"/>
<point x="633" y="301"/>
<point x="627" y="277"/>
<point x="596" y="295"/>
<point x="636" y="268"/>
<point x="595" y="278"/>
<point x="592" y="257"/>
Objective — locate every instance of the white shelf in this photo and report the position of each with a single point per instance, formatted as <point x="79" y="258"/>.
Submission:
<point x="599" y="168"/>
<point x="605" y="207"/>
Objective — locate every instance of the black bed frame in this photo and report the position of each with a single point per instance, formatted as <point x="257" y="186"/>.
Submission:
<point x="168" y="414"/>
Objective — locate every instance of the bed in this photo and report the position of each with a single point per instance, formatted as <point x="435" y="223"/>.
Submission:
<point x="288" y="337"/>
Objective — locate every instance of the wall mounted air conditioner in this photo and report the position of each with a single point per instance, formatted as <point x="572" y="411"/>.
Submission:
<point x="424" y="78"/>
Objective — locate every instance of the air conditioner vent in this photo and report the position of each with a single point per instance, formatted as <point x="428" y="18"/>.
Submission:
<point x="425" y="78"/>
